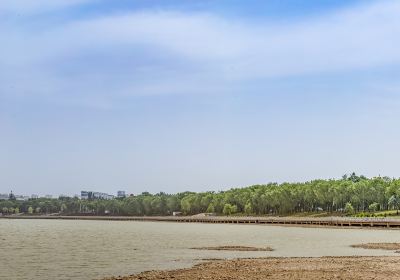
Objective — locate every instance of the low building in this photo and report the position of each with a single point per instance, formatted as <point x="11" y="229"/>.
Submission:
<point x="22" y="197"/>
<point x="176" y="213"/>
<point x="121" y="194"/>
<point x="84" y="195"/>
<point x="4" y="196"/>
<point x="95" y="195"/>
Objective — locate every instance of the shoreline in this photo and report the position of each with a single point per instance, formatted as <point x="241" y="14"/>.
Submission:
<point x="301" y="268"/>
<point x="337" y="222"/>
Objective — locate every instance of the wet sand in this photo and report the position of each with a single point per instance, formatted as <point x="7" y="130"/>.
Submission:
<point x="283" y="268"/>
<point x="381" y="246"/>
<point x="234" y="248"/>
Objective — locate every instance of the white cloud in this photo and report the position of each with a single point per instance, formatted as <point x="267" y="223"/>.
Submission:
<point x="168" y="52"/>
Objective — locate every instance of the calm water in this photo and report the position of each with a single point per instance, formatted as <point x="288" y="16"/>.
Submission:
<point x="58" y="249"/>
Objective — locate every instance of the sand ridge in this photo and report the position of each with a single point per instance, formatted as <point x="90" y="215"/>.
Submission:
<point x="381" y="246"/>
<point x="234" y="248"/>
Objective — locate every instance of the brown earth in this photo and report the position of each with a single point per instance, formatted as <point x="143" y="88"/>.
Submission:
<point x="233" y="248"/>
<point x="382" y="246"/>
<point x="353" y="268"/>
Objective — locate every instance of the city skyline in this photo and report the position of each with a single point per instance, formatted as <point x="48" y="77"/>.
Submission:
<point x="81" y="195"/>
<point x="118" y="193"/>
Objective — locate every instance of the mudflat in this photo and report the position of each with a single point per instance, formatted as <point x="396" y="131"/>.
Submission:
<point x="382" y="246"/>
<point x="283" y="268"/>
<point x="234" y="248"/>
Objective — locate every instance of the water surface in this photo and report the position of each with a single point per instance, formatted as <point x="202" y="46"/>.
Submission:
<point x="68" y="249"/>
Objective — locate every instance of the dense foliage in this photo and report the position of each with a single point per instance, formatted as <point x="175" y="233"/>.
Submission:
<point x="351" y="194"/>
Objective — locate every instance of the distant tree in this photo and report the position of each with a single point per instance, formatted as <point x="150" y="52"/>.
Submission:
<point x="348" y="209"/>
<point x="229" y="209"/>
<point x="394" y="202"/>
<point x="354" y="178"/>
<point x="373" y="207"/>
<point x="210" y="208"/>
<point x="351" y="193"/>
<point x="63" y="208"/>
<point x="248" y="209"/>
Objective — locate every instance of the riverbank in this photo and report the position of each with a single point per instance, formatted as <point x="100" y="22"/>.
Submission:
<point x="385" y="223"/>
<point x="283" y="268"/>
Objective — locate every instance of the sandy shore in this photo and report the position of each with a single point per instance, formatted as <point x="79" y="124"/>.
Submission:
<point x="382" y="246"/>
<point x="234" y="248"/>
<point x="283" y="268"/>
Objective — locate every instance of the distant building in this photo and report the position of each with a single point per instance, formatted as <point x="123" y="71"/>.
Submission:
<point x="84" y="195"/>
<point x="48" y="196"/>
<point x="12" y="196"/>
<point x="121" y="194"/>
<point x="95" y="195"/>
<point x="22" y="197"/>
<point x="34" y="196"/>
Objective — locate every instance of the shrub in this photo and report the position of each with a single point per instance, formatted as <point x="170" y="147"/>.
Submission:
<point x="348" y="209"/>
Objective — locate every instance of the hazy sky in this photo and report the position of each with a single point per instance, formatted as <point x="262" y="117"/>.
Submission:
<point x="195" y="95"/>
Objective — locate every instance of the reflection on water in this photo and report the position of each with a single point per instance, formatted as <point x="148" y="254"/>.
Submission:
<point x="61" y="249"/>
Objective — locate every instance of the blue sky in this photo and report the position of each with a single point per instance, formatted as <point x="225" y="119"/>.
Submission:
<point x="195" y="95"/>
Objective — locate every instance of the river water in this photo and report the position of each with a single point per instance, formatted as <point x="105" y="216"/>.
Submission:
<point x="65" y="249"/>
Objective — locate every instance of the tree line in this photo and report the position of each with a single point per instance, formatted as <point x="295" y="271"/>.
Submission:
<point x="351" y="194"/>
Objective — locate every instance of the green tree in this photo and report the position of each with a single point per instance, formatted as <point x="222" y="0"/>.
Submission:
<point x="229" y="209"/>
<point x="210" y="208"/>
<point x="373" y="207"/>
<point x="348" y="209"/>
<point x="248" y="209"/>
<point x="63" y="208"/>
<point x="394" y="202"/>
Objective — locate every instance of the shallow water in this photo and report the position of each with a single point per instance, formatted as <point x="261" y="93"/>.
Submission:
<point x="65" y="249"/>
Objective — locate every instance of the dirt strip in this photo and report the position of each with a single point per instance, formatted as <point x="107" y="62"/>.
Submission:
<point x="353" y="268"/>
<point x="382" y="246"/>
<point x="234" y="248"/>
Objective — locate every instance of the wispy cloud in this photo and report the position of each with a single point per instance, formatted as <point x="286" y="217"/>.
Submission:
<point x="167" y="52"/>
